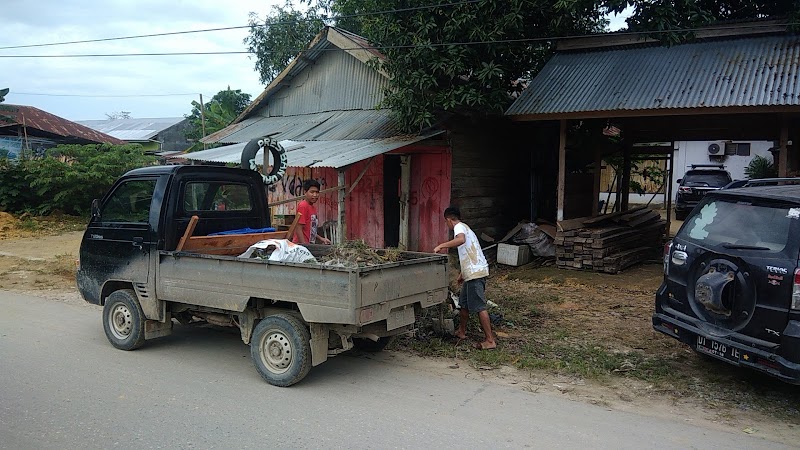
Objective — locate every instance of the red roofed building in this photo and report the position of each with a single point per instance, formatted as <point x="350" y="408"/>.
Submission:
<point x="28" y="127"/>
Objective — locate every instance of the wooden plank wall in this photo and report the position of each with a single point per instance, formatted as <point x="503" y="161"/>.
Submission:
<point x="490" y="175"/>
<point x="364" y="212"/>
<point x="291" y="185"/>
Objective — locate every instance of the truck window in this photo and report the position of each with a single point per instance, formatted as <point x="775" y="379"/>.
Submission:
<point x="130" y="202"/>
<point x="210" y="196"/>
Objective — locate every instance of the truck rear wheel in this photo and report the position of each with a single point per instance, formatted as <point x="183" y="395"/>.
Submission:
<point x="281" y="349"/>
<point x="123" y="320"/>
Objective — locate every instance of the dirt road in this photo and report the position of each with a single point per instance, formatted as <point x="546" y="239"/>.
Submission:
<point x="576" y="308"/>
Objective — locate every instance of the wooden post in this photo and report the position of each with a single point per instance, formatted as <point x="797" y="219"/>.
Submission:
<point x="783" y="157"/>
<point x="598" y="167"/>
<point x="562" y="168"/>
<point x="626" y="178"/>
<point x="341" y="226"/>
<point x="668" y="191"/>
<point x="405" y="189"/>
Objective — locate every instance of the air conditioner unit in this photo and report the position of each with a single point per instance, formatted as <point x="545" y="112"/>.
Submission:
<point x="716" y="149"/>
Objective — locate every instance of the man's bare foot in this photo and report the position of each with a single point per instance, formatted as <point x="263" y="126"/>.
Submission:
<point x="460" y="336"/>
<point x="486" y="345"/>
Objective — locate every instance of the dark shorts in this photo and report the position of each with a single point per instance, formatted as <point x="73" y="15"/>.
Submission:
<point x="472" y="295"/>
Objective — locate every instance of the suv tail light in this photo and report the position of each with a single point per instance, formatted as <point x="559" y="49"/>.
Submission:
<point x="668" y="248"/>
<point x="684" y="190"/>
<point x="796" y="290"/>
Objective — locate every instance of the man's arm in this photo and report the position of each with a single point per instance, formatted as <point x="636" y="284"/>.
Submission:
<point x="459" y="239"/>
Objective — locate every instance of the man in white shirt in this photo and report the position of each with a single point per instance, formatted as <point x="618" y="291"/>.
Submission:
<point x="474" y="271"/>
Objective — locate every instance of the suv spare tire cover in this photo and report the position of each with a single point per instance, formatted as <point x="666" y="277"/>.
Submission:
<point x="721" y="292"/>
<point x="279" y="157"/>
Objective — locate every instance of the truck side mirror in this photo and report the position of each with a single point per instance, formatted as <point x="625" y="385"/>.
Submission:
<point x="95" y="209"/>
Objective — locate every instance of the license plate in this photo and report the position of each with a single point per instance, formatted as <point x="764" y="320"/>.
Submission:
<point x="400" y="317"/>
<point x="717" y="349"/>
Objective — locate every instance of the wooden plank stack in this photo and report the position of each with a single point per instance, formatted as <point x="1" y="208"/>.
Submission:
<point x="611" y="242"/>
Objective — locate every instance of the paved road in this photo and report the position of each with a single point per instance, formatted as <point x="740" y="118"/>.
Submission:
<point x="62" y="385"/>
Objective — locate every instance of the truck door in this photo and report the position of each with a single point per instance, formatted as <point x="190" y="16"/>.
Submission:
<point x="118" y="242"/>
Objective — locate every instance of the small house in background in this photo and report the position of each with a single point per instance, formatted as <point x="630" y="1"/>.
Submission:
<point x="27" y="129"/>
<point x="379" y="184"/>
<point x="161" y="135"/>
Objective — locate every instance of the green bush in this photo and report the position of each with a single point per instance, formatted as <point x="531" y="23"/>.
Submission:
<point x="67" y="178"/>
<point x="760" y="167"/>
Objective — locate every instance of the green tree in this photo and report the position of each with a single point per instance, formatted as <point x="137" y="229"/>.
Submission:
<point x="760" y="167"/>
<point x="666" y="15"/>
<point x="277" y="39"/>
<point x="463" y="59"/>
<point x="220" y="111"/>
<point x="67" y="179"/>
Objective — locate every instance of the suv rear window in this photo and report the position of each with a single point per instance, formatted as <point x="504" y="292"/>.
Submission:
<point x="706" y="178"/>
<point x="721" y="223"/>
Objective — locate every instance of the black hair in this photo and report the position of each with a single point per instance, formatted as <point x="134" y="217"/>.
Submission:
<point x="308" y="184"/>
<point x="452" y="212"/>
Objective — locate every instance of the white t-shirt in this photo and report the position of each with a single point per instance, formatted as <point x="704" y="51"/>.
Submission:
<point x="470" y="255"/>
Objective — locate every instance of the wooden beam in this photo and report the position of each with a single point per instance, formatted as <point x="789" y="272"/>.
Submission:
<point x="405" y="189"/>
<point x="562" y="169"/>
<point x="783" y="157"/>
<point x="626" y="178"/>
<point x="668" y="200"/>
<point x="598" y="167"/>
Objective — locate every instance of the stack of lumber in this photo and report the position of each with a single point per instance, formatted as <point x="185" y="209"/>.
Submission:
<point x="611" y="242"/>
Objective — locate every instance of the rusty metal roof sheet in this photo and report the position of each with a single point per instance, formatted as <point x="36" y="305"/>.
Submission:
<point x="322" y="126"/>
<point x="133" y="129"/>
<point x="331" y="153"/>
<point x="36" y="119"/>
<point x="746" y="72"/>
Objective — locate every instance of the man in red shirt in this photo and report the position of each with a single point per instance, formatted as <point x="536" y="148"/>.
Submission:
<point x="306" y="232"/>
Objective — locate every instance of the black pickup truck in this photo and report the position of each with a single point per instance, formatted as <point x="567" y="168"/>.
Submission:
<point x="139" y="262"/>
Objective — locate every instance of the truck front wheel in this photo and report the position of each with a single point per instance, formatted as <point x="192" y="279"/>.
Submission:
<point x="123" y="320"/>
<point x="281" y="349"/>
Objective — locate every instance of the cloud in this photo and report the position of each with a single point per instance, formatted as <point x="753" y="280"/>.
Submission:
<point x="91" y="81"/>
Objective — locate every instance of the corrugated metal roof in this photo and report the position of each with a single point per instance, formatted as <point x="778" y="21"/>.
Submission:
<point x="327" y="39"/>
<point x="332" y="153"/>
<point x="322" y="126"/>
<point x="132" y="129"/>
<point x="36" y="119"/>
<point x="748" y="72"/>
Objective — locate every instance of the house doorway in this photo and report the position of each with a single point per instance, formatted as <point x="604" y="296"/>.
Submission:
<point x="391" y="200"/>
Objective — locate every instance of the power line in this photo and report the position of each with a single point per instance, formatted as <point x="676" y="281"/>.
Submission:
<point x="105" y="96"/>
<point x="206" y="30"/>
<point x="397" y="47"/>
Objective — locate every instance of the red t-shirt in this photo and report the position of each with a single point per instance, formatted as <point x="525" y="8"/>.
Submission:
<point x="309" y="221"/>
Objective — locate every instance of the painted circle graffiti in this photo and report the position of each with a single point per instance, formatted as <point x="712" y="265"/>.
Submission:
<point x="281" y="162"/>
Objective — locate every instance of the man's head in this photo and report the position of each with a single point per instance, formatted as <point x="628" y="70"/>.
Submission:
<point x="312" y="190"/>
<point x="452" y="215"/>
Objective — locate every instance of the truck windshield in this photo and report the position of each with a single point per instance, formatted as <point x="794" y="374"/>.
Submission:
<point x="730" y="224"/>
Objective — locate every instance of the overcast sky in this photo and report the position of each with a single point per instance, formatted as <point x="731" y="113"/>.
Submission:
<point x="92" y="87"/>
<point x="87" y="80"/>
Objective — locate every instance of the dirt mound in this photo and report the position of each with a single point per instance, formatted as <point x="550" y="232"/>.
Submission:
<point x="7" y="221"/>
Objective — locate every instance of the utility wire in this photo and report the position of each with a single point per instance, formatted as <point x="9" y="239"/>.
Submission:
<point x="395" y="47"/>
<point x="206" y="30"/>
<point x="106" y="96"/>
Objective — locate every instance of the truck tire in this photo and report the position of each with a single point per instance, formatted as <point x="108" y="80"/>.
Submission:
<point x="370" y="346"/>
<point x="278" y="156"/>
<point x="281" y="349"/>
<point x="123" y="320"/>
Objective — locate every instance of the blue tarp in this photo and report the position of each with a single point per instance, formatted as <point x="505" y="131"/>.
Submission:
<point x="244" y="231"/>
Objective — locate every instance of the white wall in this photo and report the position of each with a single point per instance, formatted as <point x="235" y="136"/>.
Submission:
<point x="696" y="152"/>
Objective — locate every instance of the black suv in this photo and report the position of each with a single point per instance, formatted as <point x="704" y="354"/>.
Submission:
<point x="698" y="181"/>
<point x="731" y="280"/>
